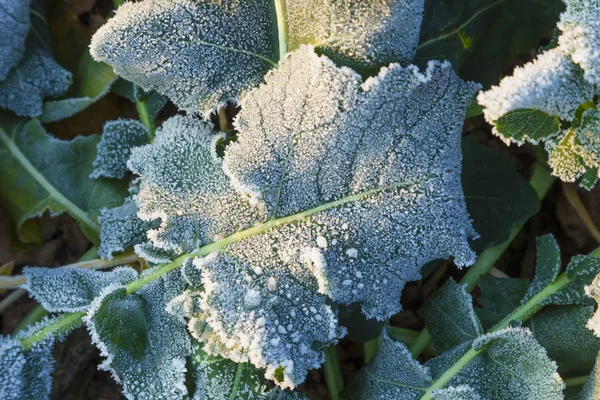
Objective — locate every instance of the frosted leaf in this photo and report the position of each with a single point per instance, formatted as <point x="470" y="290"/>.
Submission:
<point x="218" y="378"/>
<point x="552" y="83"/>
<point x="120" y="228"/>
<point x="510" y="290"/>
<point x="154" y="256"/>
<point x="450" y="317"/>
<point x="376" y="165"/>
<point x="71" y="289"/>
<point x="462" y="392"/>
<point x="25" y="374"/>
<point x="184" y="186"/>
<point x="593" y="291"/>
<point x="199" y="54"/>
<point x="580" y="38"/>
<point x="14" y="27"/>
<point x="117" y="140"/>
<point x="390" y="375"/>
<point x="547" y="265"/>
<point x="274" y="318"/>
<point x="591" y="389"/>
<point x="145" y="347"/>
<point x="582" y="270"/>
<point x="359" y="33"/>
<point x="511" y="365"/>
<point x="36" y="77"/>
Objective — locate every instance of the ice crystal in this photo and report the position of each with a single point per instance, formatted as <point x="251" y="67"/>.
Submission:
<point x="198" y="53"/>
<point x="71" y="289"/>
<point x="117" y="140"/>
<point x="461" y="392"/>
<point x="14" y="27"/>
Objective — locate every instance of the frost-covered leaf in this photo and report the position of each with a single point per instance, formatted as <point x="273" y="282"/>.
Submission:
<point x="527" y="124"/>
<point x="580" y="36"/>
<point x="325" y="219"/>
<point x="359" y="34"/>
<point x="202" y="53"/>
<point x="462" y="392"/>
<point x="450" y="317"/>
<point x="71" y="289"/>
<point x="563" y="333"/>
<point x="41" y="173"/>
<point x="218" y="378"/>
<point x="547" y="265"/>
<point x="581" y="270"/>
<point x="591" y="389"/>
<point x="91" y="81"/>
<point x="510" y="290"/>
<point x="593" y="291"/>
<point x="481" y="37"/>
<point x="552" y="84"/>
<point x="14" y="27"/>
<point x="120" y="228"/>
<point x="25" y="374"/>
<point x="497" y="196"/>
<point x="145" y="346"/>
<point x="117" y="140"/>
<point x="199" y="54"/>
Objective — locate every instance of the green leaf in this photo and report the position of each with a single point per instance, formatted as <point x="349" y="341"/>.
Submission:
<point x="547" y="265"/>
<point x="563" y="333"/>
<point x="292" y="227"/>
<point x="154" y="101"/>
<point x="480" y="37"/>
<point x="581" y="270"/>
<point x="14" y="27"/>
<point x="360" y="328"/>
<point x="527" y="125"/>
<point x="117" y="140"/>
<point x="591" y="389"/>
<point x="450" y="317"/>
<point x="499" y="297"/>
<point x="201" y="54"/>
<point x="145" y="346"/>
<point x="91" y="81"/>
<point x="41" y="173"/>
<point x="497" y="196"/>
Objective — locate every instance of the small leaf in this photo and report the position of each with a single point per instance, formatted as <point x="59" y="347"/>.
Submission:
<point x="450" y="317"/>
<point x="547" y="265"/>
<point x="145" y="347"/>
<point x="71" y="289"/>
<point x="582" y="270"/>
<point x="527" y="124"/>
<point x="591" y="389"/>
<point x="114" y="148"/>
<point x="41" y="173"/>
<point x="14" y="27"/>
<point x="497" y="196"/>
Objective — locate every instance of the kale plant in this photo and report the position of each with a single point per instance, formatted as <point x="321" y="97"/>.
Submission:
<point x="309" y="167"/>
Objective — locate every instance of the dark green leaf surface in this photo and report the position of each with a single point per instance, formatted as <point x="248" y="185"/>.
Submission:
<point x="534" y="124"/>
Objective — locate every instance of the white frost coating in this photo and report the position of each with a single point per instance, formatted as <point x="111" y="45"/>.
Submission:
<point x="547" y="265"/>
<point x="12" y="362"/>
<point x="312" y="135"/>
<point x="461" y="392"/>
<point x="184" y="186"/>
<point x="14" y="26"/>
<point x="314" y="259"/>
<point x="580" y="38"/>
<point x="71" y="289"/>
<point x="158" y="372"/>
<point x="593" y="291"/>
<point x="551" y="83"/>
<point x="121" y="228"/>
<point x="36" y="77"/>
<point x="583" y="270"/>
<point x="362" y="33"/>
<point x="199" y="54"/>
<point x="117" y="140"/>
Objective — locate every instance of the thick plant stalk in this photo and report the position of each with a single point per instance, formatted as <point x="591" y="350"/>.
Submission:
<point x="541" y="181"/>
<point x="333" y="373"/>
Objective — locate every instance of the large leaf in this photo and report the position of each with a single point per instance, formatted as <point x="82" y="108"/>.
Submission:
<point x="202" y="53"/>
<point x="479" y="37"/>
<point x="14" y="27"/>
<point x="328" y="181"/>
<point x="145" y="346"/>
<point x="497" y="196"/>
<point x="41" y="173"/>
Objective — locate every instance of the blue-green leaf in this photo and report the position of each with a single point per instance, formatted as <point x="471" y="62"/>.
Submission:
<point x="14" y="27"/>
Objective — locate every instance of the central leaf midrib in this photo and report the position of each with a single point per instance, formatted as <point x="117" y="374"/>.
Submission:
<point x="256" y="230"/>
<point x="52" y="192"/>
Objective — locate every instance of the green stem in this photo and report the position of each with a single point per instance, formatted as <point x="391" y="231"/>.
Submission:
<point x="35" y="315"/>
<point x="541" y="181"/>
<point x="281" y="28"/>
<point x="408" y="337"/>
<point x="333" y="373"/>
<point x="576" y="381"/>
<point x="370" y="348"/>
<point x="142" y="108"/>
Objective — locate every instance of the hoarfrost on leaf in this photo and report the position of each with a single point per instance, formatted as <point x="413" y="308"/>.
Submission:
<point x="547" y="265"/>
<point x="145" y="346"/>
<point x="461" y="392"/>
<point x="593" y="291"/>
<point x="117" y="140"/>
<point x="14" y="27"/>
<point x="580" y="36"/>
<point x="71" y="289"/>
<point x="198" y="53"/>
